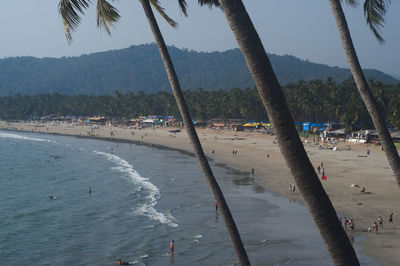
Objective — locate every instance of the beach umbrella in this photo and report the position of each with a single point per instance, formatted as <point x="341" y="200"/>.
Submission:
<point x="248" y="125"/>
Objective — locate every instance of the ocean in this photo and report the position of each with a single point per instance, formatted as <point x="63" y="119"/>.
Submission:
<point x="142" y="198"/>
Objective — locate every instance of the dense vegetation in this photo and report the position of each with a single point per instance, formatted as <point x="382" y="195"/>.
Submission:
<point x="315" y="100"/>
<point x="139" y="68"/>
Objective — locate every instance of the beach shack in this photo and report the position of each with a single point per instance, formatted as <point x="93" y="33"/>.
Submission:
<point x="97" y="120"/>
<point x="374" y="138"/>
<point x="338" y="134"/>
<point x="395" y="136"/>
<point x="361" y="136"/>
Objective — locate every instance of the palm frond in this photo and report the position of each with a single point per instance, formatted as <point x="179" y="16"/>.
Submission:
<point x="353" y="3"/>
<point x="160" y="10"/>
<point x="69" y="10"/>
<point x="210" y="3"/>
<point x="107" y="15"/>
<point x="375" y="11"/>
<point x="182" y="6"/>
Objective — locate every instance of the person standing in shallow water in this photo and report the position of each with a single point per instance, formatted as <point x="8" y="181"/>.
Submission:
<point x="216" y="206"/>
<point x="172" y="247"/>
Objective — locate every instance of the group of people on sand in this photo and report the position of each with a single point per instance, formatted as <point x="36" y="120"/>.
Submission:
<point x="348" y="222"/>
<point x="379" y="224"/>
<point x="234" y="152"/>
<point x="375" y="225"/>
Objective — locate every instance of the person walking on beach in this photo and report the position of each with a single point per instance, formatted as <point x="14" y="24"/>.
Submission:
<point x="380" y="220"/>
<point x="352" y="226"/>
<point x="252" y="172"/>
<point x="90" y="190"/>
<point x="375" y="228"/>
<point x="345" y="222"/>
<point x="216" y="206"/>
<point x="172" y="247"/>
<point x="319" y="169"/>
<point x="391" y="218"/>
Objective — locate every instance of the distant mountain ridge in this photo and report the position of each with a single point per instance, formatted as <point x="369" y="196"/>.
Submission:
<point x="139" y="68"/>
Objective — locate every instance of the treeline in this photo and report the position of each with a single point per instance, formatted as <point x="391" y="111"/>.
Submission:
<point x="317" y="101"/>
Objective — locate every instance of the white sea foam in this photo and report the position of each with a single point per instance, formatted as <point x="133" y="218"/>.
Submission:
<point x="16" y="136"/>
<point x="147" y="208"/>
<point x="197" y="236"/>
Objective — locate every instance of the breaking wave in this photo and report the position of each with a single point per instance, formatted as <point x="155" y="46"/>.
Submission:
<point x="147" y="208"/>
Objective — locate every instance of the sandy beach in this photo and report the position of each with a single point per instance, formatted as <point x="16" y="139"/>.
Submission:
<point x="347" y="165"/>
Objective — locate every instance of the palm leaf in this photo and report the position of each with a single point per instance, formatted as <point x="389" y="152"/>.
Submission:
<point x="69" y="11"/>
<point x="353" y="3"/>
<point x="182" y="6"/>
<point x="375" y="11"/>
<point x="210" y="3"/>
<point x="160" y="10"/>
<point x="107" y="15"/>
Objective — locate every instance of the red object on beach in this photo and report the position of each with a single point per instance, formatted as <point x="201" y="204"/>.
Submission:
<point x="324" y="177"/>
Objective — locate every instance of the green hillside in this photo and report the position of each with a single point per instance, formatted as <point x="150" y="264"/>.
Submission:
<point x="139" y="68"/>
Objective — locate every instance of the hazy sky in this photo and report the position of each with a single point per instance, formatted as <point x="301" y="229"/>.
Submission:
<point x="303" y="28"/>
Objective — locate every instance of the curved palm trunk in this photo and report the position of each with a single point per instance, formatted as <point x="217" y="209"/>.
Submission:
<point x="320" y="206"/>
<point x="173" y="80"/>
<point x="365" y="92"/>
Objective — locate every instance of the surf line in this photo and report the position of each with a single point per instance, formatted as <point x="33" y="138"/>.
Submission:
<point x="21" y="137"/>
<point x="147" y="208"/>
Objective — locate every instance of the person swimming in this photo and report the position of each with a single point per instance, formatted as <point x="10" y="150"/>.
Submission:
<point x="120" y="262"/>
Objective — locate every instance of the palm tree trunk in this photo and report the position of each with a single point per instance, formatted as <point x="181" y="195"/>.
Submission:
<point x="173" y="80"/>
<point x="365" y="92"/>
<point x="271" y="93"/>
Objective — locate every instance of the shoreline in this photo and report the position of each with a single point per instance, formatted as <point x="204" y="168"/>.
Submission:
<point x="256" y="150"/>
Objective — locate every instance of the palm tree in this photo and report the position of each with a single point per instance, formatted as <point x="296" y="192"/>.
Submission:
<point x="374" y="10"/>
<point x="107" y="15"/>
<point x="289" y="141"/>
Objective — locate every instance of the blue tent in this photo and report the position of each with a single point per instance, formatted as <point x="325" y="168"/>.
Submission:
<point x="306" y="126"/>
<point x="317" y="125"/>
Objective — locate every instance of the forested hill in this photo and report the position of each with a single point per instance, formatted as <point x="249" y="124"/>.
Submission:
<point x="139" y="68"/>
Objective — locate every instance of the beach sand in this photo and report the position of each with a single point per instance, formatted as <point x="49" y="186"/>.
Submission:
<point x="347" y="165"/>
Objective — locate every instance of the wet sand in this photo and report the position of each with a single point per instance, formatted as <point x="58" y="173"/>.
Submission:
<point x="348" y="165"/>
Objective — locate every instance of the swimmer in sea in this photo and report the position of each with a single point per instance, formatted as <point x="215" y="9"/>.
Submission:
<point x="172" y="247"/>
<point x="120" y="262"/>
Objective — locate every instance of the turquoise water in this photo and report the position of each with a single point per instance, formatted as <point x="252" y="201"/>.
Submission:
<point x="142" y="198"/>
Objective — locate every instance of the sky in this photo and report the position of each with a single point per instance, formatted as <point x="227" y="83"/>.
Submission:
<point x="305" y="29"/>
